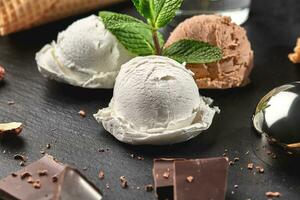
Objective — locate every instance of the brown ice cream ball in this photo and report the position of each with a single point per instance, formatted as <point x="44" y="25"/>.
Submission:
<point x="234" y="68"/>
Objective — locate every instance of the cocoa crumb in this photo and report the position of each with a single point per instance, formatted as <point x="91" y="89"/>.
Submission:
<point x="20" y="157"/>
<point x="43" y="172"/>
<point x="166" y="175"/>
<point x="190" y="179"/>
<point x="260" y="169"/>
<point x="10" y="103"/>
<point x="37" y="184"/>
<point x="149" y="188"/>
<point x="273" y="194"/>
<point x="140" y="158"/>
<point x="30" y="180"/>
<point x="124" y="182"/>
<point x="48" y="146"/>
<point x="82" y="113"/>
<point x="54" y="179"/>
<point x="231" y="163"/>
<point x="25" y="175"/>
<point x="2" y="73"/>
<point x="101" y="175"/>
<point x="14" y="174"/>
<point x="295" y="56"/>
<point x="250" y="166"/>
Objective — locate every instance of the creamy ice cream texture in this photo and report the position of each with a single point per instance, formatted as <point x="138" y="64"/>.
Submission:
<point x="237" y="62"/>
<point x="156" y="101"/>
<point x="85" y="54"/>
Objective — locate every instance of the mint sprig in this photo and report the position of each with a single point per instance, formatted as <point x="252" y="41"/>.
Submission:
<point x="144" y="39"/>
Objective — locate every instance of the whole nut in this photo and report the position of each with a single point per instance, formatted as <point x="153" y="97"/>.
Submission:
<point x="2" y="73"/>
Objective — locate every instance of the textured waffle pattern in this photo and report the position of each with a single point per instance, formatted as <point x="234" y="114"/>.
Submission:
<point x="16" y="15"/>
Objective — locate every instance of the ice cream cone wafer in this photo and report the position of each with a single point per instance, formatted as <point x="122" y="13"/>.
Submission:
<point x="16" y="15"/>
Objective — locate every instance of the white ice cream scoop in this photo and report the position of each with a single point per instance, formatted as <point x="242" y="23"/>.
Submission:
<point x="156" y="101"/>
<point x="86" y="54"/>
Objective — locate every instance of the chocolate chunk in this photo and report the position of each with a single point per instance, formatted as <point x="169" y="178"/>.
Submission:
<point x="73" y="185"/>
<point x="19" y="188"/>
<point x="47" y="179"/>
<point x="163" y="184"/>
<point x="200" y="179"/>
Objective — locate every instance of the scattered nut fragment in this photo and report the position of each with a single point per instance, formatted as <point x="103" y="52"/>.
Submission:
<point x="82" y="113"/>
<point x="273" y="194"/>
<point x="12" y="127"/>
<point x="295" y="57"/>
<point x="236" y="159"/>
<point x="250" y="166"/>
<point x="124" y="182"/>
<point x="2" y="73"/>
<point x="231" y="163"/>
<point x="236" y="186"/>
<point x="101" y="175"/>
<point x="190" y="179"/>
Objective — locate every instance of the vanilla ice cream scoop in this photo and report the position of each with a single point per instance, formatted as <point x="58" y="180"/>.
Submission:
<point x="85" y="54"/>
<point x="156" y="101"/>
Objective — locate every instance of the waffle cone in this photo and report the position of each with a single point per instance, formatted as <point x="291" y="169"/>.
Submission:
<point x="16" y="15"/>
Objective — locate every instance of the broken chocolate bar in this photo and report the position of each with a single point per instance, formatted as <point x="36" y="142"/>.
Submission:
<point x="57" y="182"/>
<point x="72" y="185"/>
<point x="163" y="178"/>
<point x="200" y="179"/>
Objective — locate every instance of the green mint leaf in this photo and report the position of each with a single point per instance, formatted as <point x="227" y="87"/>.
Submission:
<point x="112" y="19"/>
<point x="165" y="11"/>
<point x="145" y="8"/>
<point x="133" y="34"/>
<point x="192" y="51"/>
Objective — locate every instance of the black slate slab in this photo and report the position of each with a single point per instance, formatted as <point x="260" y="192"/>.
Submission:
<point x="49" y="112"/>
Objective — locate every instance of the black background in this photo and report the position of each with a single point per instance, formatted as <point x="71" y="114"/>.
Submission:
<point x="49" y="111"/>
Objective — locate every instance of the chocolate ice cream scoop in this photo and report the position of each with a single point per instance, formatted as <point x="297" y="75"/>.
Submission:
<point x="234" y="68"/>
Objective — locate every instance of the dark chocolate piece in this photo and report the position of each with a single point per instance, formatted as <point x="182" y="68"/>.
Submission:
<point x="163" y="183"/>
<point x="72" y="185"/>
<point x="200" y="179"/>
<point x="46" y="179"/>
<point x="18" y="188"/>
